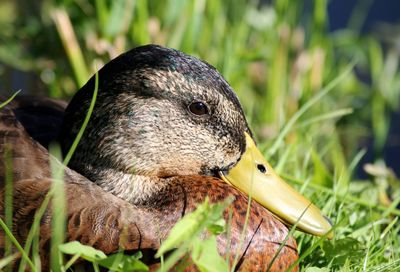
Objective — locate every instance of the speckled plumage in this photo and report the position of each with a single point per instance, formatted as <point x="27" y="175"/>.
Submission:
<point x="142" y="145"/>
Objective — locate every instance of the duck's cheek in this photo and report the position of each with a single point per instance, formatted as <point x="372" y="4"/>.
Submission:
<point x="170" y="164"/>
<point x="226" y="154"/>
<point x="178" y="168"/>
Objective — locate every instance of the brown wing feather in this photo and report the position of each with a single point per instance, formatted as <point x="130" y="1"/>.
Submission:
<point x="95" y="217"/>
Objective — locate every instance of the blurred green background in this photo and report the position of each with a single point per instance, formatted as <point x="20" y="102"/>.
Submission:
<point x="319" y="82"/>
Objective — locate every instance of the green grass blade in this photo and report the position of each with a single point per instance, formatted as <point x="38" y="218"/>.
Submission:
<point x="84" y="124"/>
<point x="3" y="104"/>
<point x="58" y="223"/>
<point x="8" y="198"/>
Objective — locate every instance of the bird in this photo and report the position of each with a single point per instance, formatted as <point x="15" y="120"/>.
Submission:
<point x="166" y="132"/>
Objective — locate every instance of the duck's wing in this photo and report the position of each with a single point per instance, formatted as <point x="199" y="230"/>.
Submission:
<point x="94" y="217"/>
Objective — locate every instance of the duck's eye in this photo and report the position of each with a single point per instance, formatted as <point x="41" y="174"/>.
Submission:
<point x="198" y="108"/>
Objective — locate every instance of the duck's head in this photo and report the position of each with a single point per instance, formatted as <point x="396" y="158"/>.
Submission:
<point x="161" y="113"/>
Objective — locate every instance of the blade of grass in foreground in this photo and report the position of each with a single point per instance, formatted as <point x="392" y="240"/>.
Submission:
<point x="183" y="238"/>
<point x="9" y="99"/>
<point x="58" y="219"/>
<point x="5" y="261"/>
<point x="85" y="122"/>
<point x="8" y="199"/>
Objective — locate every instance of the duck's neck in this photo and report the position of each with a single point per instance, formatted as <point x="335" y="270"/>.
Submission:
<point x="136" y="189"/>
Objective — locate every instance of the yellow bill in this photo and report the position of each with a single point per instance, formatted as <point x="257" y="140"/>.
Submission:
<point x="253" y="175"/>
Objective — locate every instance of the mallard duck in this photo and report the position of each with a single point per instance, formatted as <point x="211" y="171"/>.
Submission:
<point x="166" y="132"/>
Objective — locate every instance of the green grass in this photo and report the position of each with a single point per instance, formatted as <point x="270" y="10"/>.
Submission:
<point x="304" y="100"/>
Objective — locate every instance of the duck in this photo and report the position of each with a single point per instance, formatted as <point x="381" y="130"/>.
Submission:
<point x="166" y="133"/>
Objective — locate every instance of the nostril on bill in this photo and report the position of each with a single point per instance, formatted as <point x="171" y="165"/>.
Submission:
<point x="261" y="168"/>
